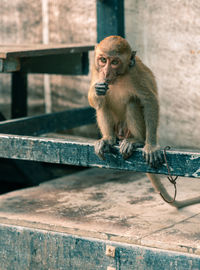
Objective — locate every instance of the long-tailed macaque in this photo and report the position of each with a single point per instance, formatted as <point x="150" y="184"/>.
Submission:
<point x="124" y="93"/>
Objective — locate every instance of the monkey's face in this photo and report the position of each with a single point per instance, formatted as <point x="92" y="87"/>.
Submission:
<point x="112" y="58"/>
<point x="108" y="67"/>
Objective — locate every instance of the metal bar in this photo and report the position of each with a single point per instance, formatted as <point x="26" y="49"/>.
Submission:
<point x="61" y="151"/>
<point x="19" y="95"/>
<point x="51" y="122"/>
<point x="110" y="18"/>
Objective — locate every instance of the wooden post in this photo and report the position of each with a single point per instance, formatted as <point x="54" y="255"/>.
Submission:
<point x="19" y="95"/>
<point x="110" y="18"/>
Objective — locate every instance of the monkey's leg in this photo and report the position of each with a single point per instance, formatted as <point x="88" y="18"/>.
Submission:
<point x="153" y="155"/>
<point x="158" y="186"/>
<point x="106" y="125"/>
<point x="136" y="126"/>
<point x="128" y="146"/>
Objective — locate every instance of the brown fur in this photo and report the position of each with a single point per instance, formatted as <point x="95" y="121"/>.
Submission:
<point x="130" y="108"/>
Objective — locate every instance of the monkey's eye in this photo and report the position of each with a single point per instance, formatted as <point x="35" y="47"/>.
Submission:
<point x="115" y="62"/>
<point x="103" y="60"/>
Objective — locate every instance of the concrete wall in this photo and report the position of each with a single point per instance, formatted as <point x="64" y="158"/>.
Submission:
<point x="165" y="35"/>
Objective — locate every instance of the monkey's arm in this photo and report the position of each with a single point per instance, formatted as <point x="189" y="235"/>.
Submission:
<point x="97" y="100"/>
<point x="97" y="91"/>
<point x="151" y="115"/>
<point x="106" y="126"/>
<point x="152" y="151"/>
<point x="96" y="95"/>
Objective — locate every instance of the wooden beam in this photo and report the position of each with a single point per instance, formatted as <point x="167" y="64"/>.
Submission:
<point x="62" y="64"/>
<point x="52" y="122"/>
<point x="19" y="94"/>
<point x="110" y="18"/>
<point x="33" y="50"/>
<point x="61" y="151"/>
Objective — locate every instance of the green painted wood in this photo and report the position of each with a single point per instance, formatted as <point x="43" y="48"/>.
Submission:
<point x="67" y="59"/>
<point x="110" y="18"/>
<point x="28" y="248"/>
<point x="51" y="122"/>
<point x="19" y="106"/>
<point x="33" y="50"/>
<point x="63" y="64"/>
<point x="1" y="65"/>
<point x="50" y="64"/>
<point x="61" y="151"/>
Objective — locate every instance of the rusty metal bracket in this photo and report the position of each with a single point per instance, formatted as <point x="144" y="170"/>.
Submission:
<point x="171" y="179"/>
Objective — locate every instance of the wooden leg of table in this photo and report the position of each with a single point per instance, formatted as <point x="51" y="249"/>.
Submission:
<point x="19" y="95"/>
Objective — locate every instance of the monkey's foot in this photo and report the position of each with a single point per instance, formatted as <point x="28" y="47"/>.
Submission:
<point x="103" y="146"/>
<point x="127" y="147"/>
<point x="153" y="155"/>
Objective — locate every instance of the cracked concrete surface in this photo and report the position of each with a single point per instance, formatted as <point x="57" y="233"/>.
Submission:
<point x="110" y="205"/>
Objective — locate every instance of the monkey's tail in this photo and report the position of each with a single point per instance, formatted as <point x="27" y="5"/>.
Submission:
<point x="160" y="189"/>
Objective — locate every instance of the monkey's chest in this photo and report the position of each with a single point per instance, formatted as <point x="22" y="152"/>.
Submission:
<point x="117" y="99"/>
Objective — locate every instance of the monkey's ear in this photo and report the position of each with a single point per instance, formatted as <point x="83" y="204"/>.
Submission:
<point x="132" y="60"/>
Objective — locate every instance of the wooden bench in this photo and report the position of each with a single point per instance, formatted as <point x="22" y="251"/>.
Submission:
<point x="97" y="219"/>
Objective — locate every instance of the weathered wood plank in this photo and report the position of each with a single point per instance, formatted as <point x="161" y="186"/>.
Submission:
<point x="51" y="122"/>
<point x="9" y="65"/>
<point x="182" y="163"/>
<point x="29" y="248"/>
<point x="17" y="51"/>
<point x="51" y="64"/>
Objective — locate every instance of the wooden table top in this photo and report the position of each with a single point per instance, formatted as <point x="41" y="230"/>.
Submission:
<point x="28" y="50"/>
<point x="106" y="205"/>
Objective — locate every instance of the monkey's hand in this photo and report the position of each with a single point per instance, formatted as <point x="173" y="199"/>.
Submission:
<point x="103" y="146"/>
<point x="153" y="155"/>
<point x="101" y="88"/>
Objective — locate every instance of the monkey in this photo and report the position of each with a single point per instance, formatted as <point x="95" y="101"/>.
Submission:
<point x="123" y="91"/>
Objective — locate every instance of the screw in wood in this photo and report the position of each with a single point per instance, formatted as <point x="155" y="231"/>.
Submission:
<point x="110" y="251"/>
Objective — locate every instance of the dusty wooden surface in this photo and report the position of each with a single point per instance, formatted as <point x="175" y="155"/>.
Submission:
<point x="41" y="49"/>
<point x="108" y="205"/>
<point x="75" y="151"/>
